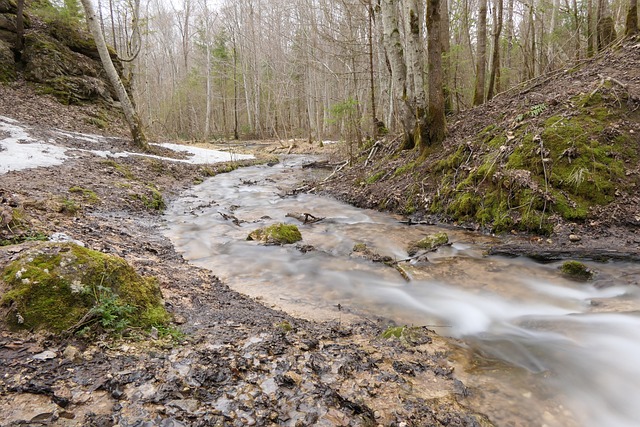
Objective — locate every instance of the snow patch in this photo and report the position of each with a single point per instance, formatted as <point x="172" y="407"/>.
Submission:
<point x="20" y="151"/>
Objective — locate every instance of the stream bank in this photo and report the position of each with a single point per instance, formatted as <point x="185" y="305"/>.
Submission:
<point x="239" y="361"/>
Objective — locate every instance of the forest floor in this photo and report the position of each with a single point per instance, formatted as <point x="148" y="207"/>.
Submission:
<point x="238" y="362"/>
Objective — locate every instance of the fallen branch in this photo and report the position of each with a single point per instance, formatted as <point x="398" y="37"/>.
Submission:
<point x="374" y="149"/>
<point x="338" y="169"/>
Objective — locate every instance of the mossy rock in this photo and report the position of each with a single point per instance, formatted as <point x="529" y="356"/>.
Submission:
<point x="7" y="64"/>
<point x="576" y="270"/>
<point x="63" y="286"/>
<point x="429" y="243"/>
<point x="276" y="234"/>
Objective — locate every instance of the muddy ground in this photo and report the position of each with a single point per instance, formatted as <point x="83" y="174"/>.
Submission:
<point x="238" y="362"/>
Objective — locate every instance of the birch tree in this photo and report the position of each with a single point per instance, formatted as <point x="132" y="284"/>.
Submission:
<point x="131" y="116"/>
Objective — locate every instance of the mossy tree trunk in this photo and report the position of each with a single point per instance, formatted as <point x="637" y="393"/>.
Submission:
<point x="133" y="120"/>
<point x="632" y="19"/>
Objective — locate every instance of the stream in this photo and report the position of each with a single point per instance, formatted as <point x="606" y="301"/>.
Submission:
<point x="535" y="348"/>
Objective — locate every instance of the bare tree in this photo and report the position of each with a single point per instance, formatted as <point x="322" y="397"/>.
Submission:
<point x="481" y="65"/>
<point x="494" y="77"/>
<point x="135" y="125"/>
<point x="631" y="27"/>
<point x="436" y="118"/>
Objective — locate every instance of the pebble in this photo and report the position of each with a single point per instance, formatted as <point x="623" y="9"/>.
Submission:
<point x="574" y="238"/>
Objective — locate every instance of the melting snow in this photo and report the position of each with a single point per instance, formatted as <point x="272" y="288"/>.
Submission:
<point x="21" y="151"/>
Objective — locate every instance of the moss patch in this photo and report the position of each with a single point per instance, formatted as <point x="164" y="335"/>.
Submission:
<point x="59" y="287"/>
<point x="576" y="270"/>
<point x="540" y="163"/>
<point x="277" y="234"/>
<point x="429" y="243"/>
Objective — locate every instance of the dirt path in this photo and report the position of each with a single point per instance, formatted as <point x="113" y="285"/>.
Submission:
<point x="239" y="362"/>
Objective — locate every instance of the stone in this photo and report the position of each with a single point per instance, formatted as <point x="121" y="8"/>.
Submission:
<point x="574" y="238"/>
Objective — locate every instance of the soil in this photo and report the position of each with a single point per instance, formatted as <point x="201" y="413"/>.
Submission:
<point x="611" y="231"/>
<point x="235" y="361"/>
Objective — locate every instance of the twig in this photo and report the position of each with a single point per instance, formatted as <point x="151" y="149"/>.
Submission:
<point x="338" y="169"/>
<point x="374" y="149"/>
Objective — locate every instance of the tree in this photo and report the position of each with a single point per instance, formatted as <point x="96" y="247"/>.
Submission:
<point x="632" y="19"/>
<point x="395" y="55"/>
<point x="481" y="65"/>
<point x="20" y="27"/>
<point x="436" y="120"/>
<point x="606" y="30"/>
<point x="494" y="77"/>
<point x="130" y="114"/>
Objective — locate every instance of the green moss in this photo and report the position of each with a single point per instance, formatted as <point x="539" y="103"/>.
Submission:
<point x="360" y="247"/>
<point x="59" y="287"/>
<point x="284" y="326"/>
<point x="375" y="177"/>
<point x="408" y="335"/>
<point x="409" y="167"/>
<point x="429" y="243"/>
<point x="89" y="196"/>
<point x="123" y="170"/>
<point x="152" y="200"/>
<point x="69" y="206"/>
<point x="576" y="270"/>
<point x="276" y="234"/>
<point x="393" y="332"/>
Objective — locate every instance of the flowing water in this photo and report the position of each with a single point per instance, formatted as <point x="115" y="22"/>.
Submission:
<point x="536" y="349"/>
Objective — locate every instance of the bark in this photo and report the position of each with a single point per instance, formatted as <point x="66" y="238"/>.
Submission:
<point x="590" y="34"/>
<point x="551" y="47"/>
<point x="436" y="118"/>
<point x="632" y="19"/>
<point x="135" y="125"/>
<point x="446" y="50"/>
<point x="415" y="68"/>
<point x="509" y="48"/>
<point x="494" y="78"/>
<point x="20" y="28"/>
<point x="393" y="44"/>
<point x="478" y="94"/>
<point x="372" y="88"/>
<point x="605" y="28"/>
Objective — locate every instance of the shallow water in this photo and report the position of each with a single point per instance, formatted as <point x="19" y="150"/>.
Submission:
<point x="536" y="348"/>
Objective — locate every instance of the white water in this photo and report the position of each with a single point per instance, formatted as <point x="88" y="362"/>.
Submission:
<point x="559" y="353"/>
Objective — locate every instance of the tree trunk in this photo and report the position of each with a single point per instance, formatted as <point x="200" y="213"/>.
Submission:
<point x="130" y="114"/>
<point x="436" y="119"/>
<point x="590" y="34"/>
<point x="494" y="78"/>
<point x="478" y="94"/>
<point x="415" y="68"/>
<point x="509" y="48"/>
<point x="606" y="27"/>
<point x="19" y="29"/>
<point x="632" y="19"/>
<point x="446" y="50"/>
<point x="372" y="86"/>
<point x="389" y="10"/>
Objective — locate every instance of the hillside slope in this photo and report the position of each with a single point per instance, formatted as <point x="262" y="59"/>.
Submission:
<point x="554" y="158"/>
